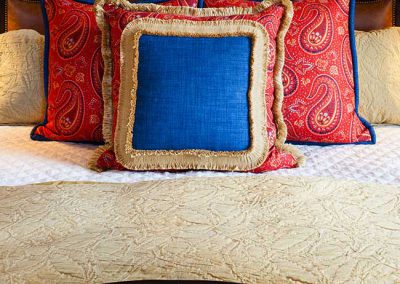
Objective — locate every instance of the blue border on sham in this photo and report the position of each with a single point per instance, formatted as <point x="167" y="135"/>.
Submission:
<point x="356" y="89"/>
<point x="38" y="137"/>
<point x="355" y="73"/>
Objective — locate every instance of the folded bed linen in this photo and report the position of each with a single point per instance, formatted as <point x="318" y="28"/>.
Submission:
<point x="255" y="229"/>
<point x="23" y="161"/>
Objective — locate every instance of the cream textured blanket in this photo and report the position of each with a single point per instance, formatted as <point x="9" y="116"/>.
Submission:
<point x="259" y="229"/>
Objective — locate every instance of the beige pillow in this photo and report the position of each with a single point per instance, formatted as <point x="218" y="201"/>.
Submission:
<point x="21" y="77"/>
<point x="379" y="75"/>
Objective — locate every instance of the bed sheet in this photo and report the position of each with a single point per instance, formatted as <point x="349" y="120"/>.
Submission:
<point x="23" y="161"/>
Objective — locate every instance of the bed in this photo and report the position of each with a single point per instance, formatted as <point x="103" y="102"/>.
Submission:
<point x="25" y="161"/>
<point x="334" y="220"/>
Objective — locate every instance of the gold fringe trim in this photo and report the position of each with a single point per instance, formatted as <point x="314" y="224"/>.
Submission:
<point x="190" y="11"/>
<point x="295" y="152"/>
<point x="107" y="75"/>
<point x="278" y="85"/>
<point x="244" y="160"/>
<point x="92" y="164"/>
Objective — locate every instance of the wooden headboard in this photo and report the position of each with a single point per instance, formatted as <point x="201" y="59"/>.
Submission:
<point x="376" y="14"/>
<point x="370" y="14"/>
<point x="21" y="14"/>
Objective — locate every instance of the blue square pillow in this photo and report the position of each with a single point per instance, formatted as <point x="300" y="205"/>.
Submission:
<point x="192" y="93"/>
<point x="190" y="89"/>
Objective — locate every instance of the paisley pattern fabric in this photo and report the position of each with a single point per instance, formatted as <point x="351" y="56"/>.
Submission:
<point x="320" y="92"/>
<point x="74" y="102"/>
<point x="74" y="73"/>
<point x="323" y="107"/>
<point x="270" y="18"/>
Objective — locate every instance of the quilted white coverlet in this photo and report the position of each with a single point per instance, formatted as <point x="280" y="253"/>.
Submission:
<point x="23" y="161"/>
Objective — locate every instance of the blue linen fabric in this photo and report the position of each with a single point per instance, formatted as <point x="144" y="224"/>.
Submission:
<point x="192" y="93"/>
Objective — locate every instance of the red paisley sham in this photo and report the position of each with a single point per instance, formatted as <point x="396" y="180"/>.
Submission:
<point x="318" y="77"/>
<point x="118" y="18"/>
<point x="75" y="69"/>
<point x="74" y="73"/>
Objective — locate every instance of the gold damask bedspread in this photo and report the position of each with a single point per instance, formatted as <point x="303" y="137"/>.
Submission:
<point x="257" y="229"/>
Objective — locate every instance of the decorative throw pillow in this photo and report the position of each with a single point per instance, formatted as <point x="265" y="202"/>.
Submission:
<point x="193" y="119"/>
<point x="73" y="71"/>
<point x="320" y="74"/>
<point x="21" y="80"/>
<point x="379" y="73"/>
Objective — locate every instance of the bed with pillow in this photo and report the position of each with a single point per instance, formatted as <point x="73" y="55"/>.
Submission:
<point x="247" y="142"/>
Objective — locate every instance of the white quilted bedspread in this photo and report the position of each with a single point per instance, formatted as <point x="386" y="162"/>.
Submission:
<point x="23" y="161"/>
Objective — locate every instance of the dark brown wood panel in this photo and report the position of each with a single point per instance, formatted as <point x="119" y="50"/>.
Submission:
<point x="24" y="14"/>
<point x="3" y="15"/>
<point x="373" y="15"/>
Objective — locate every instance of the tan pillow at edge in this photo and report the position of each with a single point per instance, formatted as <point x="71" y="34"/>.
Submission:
<point x="21" y="77"/>
<point x="378" y="55"/>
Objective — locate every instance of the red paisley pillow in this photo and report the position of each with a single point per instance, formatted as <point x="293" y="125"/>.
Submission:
<point x="116" y="18"/>
<point x="73" y="72"/>
<point x="320" y="74"/>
